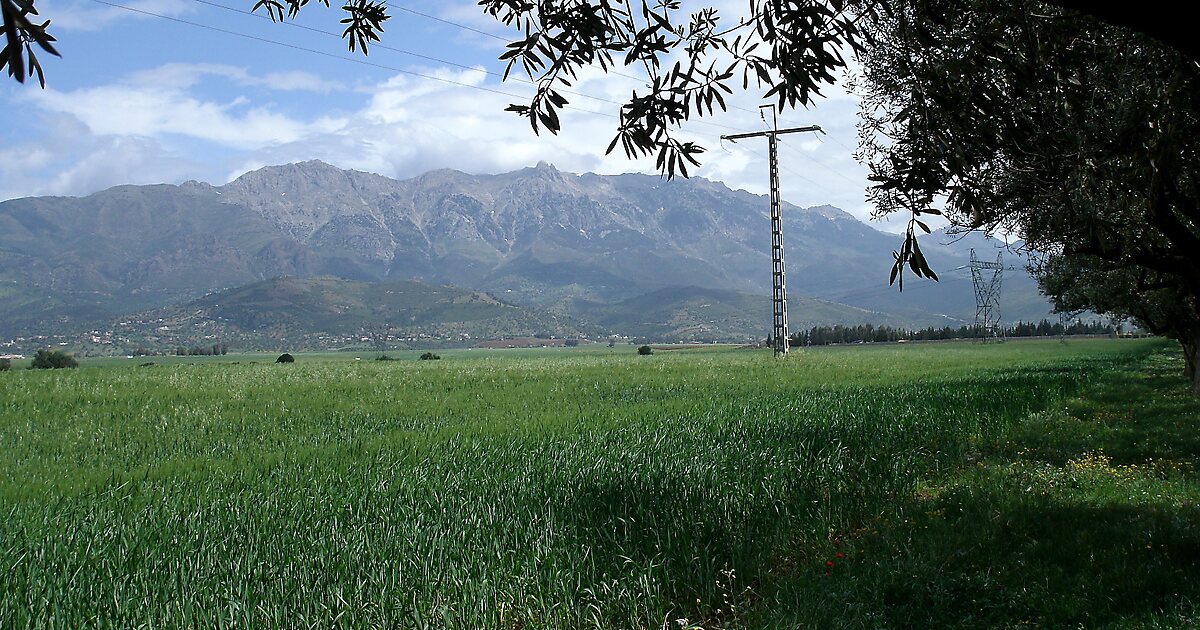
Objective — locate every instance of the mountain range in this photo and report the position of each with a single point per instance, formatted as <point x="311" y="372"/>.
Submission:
<point x="625" y="254"/>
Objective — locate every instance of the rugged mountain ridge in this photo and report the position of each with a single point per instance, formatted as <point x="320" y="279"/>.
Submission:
<point x="569" y="244"/>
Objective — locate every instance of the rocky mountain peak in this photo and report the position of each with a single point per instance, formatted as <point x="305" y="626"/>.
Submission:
<point x="301" y="176"/>
<point x="545" y="170"/>
<point x="832" y="213"/>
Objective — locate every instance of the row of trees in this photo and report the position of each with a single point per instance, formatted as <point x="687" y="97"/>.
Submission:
<point x="217" y="349"/>
<point x="825" y="335"/>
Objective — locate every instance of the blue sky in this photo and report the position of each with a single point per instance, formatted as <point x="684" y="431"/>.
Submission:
<point x="142" y="99"/>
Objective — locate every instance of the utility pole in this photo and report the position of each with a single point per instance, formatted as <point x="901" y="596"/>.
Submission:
<point x="779" y="329"/>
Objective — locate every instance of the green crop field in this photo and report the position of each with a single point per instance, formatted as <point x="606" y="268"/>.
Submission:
<point x="906" y="485"/>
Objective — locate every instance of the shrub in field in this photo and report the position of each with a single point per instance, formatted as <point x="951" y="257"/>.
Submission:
<point x="285" y="358"/>
<point x="645" y="350"/>
<point x="384" y="357"/>
<point x="5" y="365"/>
<point x="53" y="359"/>
<point x="429" y="356"/>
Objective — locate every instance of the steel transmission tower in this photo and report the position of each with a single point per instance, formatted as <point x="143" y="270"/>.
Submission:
<point x="987" y="295"/>
<point x="779" y="327"/>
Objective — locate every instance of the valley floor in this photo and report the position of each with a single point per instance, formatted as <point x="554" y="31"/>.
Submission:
<point x="957" y="484"/>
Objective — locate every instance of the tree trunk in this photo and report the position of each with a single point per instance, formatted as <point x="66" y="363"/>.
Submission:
<point x="1191" y="353"/>
<point x="1191" y="357"/>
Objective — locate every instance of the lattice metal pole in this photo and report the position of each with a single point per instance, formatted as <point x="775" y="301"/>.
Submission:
<point x="779" y="322"/>
<point x="779" y="330"/>
<point x="987" y="295"/>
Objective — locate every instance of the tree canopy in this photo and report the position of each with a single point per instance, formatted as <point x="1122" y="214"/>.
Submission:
<point x="1073" y="134"/>
<point x="21" y="33"/>
<point x="53" y="359"/>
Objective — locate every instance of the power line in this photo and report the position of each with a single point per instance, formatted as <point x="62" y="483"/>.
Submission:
<point x="322" y="53"/>
<point x="313" y="51"/>
<point x="484" y="33"/>
<point x="812" y="159"/>
<point x="841" y="144"/>
<point x="859" y="294"/>
<point x="447" y="22"/>
<point x="800" y="153"/>
<point x="402" y="51"/>
<point x="426" y="57"/>
<point x="832" y="138"/>
<point x="337" y="35"/>
<point x="365" y="62"/>
<point x="506" y="41"/>
<point x="368" y="63"/>
<point x="794" y="173"/>
<point x="613" y="72"/>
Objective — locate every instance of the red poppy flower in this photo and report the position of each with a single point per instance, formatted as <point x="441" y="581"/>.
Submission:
<point x="829" y="563"/>
<point x="840" y="555"/>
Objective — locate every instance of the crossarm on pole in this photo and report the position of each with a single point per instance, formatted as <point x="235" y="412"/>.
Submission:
<point x="757" y="134"/>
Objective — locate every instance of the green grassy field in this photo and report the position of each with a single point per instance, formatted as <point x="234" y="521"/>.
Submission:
<point x="940" y="485"/>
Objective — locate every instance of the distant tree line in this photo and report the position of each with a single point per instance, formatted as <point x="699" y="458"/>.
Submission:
<point x="825" y="335"/>
<point x="206" y="351"/>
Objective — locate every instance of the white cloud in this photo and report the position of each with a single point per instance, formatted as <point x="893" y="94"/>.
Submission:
<point x="470" y="15"/>
<point x="142" y="110"/>
<point x="67" y="160"/>
<point x="180" y="76"/>
<point x="119" y="160"/>
<point x="79" y="15"/>
<point x="297" y="80"/>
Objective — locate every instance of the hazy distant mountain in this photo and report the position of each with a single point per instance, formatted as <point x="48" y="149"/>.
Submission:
<point x="333" y="312"/>
<point x="537" y="237"/>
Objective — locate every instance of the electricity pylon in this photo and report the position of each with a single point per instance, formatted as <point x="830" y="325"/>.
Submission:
<point x="779" y="328"/>
<point x="987" y="295"/>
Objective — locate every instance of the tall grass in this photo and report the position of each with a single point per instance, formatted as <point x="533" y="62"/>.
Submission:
<point x="579" y="490"/>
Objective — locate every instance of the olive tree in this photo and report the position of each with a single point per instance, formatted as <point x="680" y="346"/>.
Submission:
<point x="1076" y="135"/>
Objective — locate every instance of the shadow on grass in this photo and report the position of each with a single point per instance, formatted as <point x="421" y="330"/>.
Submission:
<point x="1133" y="416"/>
<point x="1088" y="515"/>
<point x="996" y="554"/>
